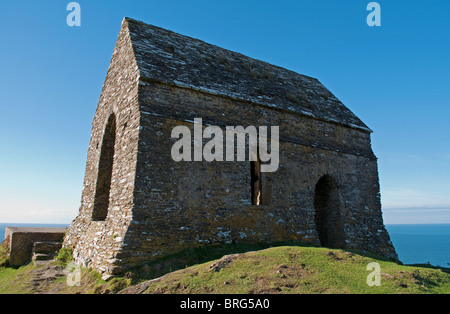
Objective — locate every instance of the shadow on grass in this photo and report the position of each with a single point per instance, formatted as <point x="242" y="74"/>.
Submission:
<point x="444" y="269"/>
<point x="193" y="256"/>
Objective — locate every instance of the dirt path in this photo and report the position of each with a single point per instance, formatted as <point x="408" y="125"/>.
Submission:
<point x="41" y="280"/>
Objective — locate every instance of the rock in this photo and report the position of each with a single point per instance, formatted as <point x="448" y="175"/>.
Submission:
<point x="221" y="263"/>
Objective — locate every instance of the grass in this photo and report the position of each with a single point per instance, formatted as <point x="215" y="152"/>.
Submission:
<point x="4" y="253"/>
<point x="189" y="257"/>
<point x="8" y="276"/>
<point x="22" y="280"/>
<point x="293" y="269"/>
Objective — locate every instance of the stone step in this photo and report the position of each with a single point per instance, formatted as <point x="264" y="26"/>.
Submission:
<point x="46" y="247"/>
<point x="43" y="257"/>
<point x="43" y="252"/>
<point x="40" y="259"/>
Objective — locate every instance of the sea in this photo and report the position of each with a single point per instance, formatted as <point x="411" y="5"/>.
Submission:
<point x="422" y="244"/>
<point x="415" y="244"/>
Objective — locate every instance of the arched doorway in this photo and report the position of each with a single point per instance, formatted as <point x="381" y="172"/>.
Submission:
<point x="327" y="205"/>
<point x="105" y="167"/>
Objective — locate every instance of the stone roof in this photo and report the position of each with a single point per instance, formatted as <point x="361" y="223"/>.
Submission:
<point x="171" y="58"/>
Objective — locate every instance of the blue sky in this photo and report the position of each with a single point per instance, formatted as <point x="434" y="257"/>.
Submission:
<point x="395" y="77"/>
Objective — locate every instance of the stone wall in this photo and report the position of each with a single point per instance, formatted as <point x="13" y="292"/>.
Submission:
<point x="21" y="240"/>
<point x="181" y="204"/>
<point x="97" y="242"/>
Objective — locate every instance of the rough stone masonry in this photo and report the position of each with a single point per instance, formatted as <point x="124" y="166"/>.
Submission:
<point x="138" y="204"/>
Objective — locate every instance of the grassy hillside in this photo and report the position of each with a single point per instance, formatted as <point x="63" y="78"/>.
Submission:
<point x="282" y="269"/>
<point x="293" y="269"/>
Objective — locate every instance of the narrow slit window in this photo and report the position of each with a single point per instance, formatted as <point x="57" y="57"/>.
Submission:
<point x="256" y="184"/>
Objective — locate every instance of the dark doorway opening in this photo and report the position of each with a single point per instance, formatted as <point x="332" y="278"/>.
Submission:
<point x="327" y="205"/>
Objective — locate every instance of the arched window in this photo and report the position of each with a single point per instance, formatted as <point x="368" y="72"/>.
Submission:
<point x="327" y="205"/>
<point x="105" y="167"/>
